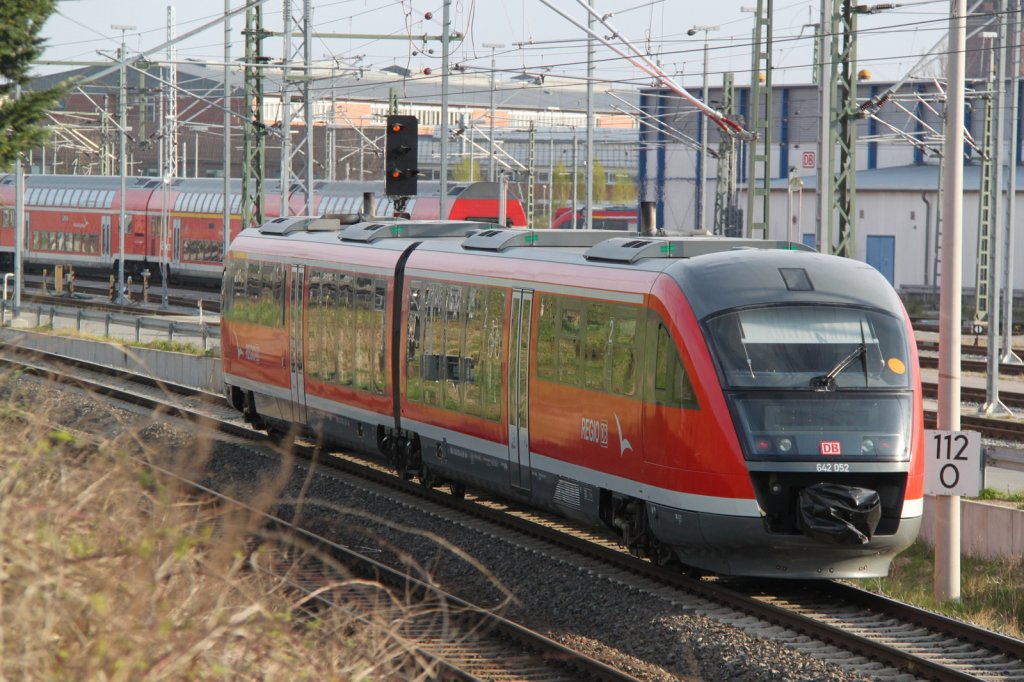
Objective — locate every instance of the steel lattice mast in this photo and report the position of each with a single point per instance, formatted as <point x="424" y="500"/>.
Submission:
<point x="302" y="181"/>
<point x="759" y="123"/>
<point x="254" y="137"/>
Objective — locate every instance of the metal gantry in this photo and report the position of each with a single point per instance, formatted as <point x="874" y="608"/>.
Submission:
<point x="300" y="182"/>
<point x="531" y="174"/>
<point x="846" y="113"/>
<point x="760" y="115"/>
<point x="254" y="131"/>
<point x="982" y="276"/>
<point x="727" y="220"/>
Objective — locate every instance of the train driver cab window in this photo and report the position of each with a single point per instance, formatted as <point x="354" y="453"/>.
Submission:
<point x="816" y="347"/>
<point x="672" y="385"/>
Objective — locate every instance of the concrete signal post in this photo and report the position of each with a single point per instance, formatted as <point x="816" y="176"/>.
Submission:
<point x="947" y="507"/>
<point x="122" y="124"/>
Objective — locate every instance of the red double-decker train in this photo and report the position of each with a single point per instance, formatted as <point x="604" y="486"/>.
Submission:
<point x="740" y="406"/>
<point x="602" y="217"/>
<point x="73" y="219"/>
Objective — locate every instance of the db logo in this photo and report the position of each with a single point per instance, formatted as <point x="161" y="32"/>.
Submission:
<point x="830" y="448"/>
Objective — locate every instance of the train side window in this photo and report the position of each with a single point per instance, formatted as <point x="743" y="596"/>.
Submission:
<point x="476" y="311"/>
<point x="672" y="385"/>
<point x="596" y="342"/>
<point x="494" y="352"/>
<point x="414" y="343"/>
<point x="7" y="217"/>
<point x="365" y="357"/>
<point x="568" y="344"/>
<point x="258" y="295"/>
<point x="76" y="198"/>
<point x="380" y="295"/>
<point x="623" y="351"/>
<point x="547" y="317"/>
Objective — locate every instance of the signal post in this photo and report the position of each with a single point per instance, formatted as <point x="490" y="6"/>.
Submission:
<point x="401" y="164"/>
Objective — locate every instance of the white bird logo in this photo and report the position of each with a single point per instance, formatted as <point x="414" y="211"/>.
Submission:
<point x="624" y="443"/>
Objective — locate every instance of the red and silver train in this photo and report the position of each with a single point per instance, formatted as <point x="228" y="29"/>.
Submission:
<point x="73" y="219"/>
<point x="602" y="218"/>
<point x="744" y="407"/>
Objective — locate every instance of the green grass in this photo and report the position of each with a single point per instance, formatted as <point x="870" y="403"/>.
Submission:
<point x="1006" y="496"/>
<point x="159" y="344"/>
<point x="992" y="592"/>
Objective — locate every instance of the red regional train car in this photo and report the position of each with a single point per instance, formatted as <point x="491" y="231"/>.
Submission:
<point x="604" y="218"/>
<point x="742" y="406"/>
<point x="73" y="219"/>
<point x="474" y="202"/>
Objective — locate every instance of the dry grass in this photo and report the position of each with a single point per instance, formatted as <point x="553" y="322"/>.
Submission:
<point x="108" y="573"/>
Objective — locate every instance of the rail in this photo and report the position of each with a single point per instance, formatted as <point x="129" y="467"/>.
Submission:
<point x="141" y="328"/>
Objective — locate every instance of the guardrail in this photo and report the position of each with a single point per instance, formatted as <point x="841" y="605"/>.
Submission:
<point x="1003" y="458"/>
<point x="134" y="325"/>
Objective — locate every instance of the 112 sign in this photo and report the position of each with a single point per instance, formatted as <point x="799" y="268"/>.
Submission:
<point x="952" y="463"/>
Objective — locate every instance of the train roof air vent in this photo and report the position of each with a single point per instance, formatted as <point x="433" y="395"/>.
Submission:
<point x="625" y="250"/>
<point x="292" y="224"/>
<point x="499" y="240"/>
<point x="399" y="228"/>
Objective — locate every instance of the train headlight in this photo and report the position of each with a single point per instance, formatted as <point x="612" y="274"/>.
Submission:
<point x="785" y="445"/>
<point x="763" y="445"/>
<point x="867" y="446"/>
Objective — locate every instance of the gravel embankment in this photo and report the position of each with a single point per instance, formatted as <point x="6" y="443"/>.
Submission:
<point x="648" y="635"/>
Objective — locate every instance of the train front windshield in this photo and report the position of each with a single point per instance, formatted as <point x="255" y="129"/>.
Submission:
<point x="804" y="381"/>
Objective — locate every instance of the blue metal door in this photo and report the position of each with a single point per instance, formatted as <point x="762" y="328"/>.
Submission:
<point x="882" y="254"/>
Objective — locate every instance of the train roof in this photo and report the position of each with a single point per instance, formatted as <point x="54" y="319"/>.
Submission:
<point x="715" y="273"/>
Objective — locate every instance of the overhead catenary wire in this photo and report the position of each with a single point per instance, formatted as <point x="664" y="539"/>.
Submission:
<point x="644" y="63"/>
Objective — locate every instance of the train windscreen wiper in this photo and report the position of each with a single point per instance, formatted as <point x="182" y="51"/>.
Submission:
<point x="826" y="382"/>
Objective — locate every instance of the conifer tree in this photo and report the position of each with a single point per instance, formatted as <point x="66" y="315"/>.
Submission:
<point x="21" y="22"/>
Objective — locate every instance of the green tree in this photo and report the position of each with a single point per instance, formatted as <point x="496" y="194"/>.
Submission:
<point x="562" y="185"/>
<point x="20" y="24"/>
<point x="460" y="172"/>
<point x="600" y="183"/>
<point x="624" y="190"/>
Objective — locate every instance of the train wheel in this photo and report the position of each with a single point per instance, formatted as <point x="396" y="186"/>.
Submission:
<point x="428" y="479"/>
<point x="283" y="436"/>
<point x="457" y="489"/>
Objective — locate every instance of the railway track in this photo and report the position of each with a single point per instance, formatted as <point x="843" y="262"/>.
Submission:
<point x="462" y="641"/>
<point x="841" y="621"/>
<point x="94" y="294"/>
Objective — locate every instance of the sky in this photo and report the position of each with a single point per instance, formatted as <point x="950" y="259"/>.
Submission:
<point x="532" y="37"/>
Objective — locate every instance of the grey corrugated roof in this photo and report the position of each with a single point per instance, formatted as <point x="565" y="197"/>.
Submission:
<point x="465" y="89"/>
<point x="912" y="178"/>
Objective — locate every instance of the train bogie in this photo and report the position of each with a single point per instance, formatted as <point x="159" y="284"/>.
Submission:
<point x="741" y="411"/>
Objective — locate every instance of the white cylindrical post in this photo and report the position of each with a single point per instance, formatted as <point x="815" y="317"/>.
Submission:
<point x="947" y="508"/>
<point x="227" y="132"/>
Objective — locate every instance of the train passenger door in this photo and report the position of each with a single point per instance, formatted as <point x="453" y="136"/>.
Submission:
<point x="104" y="237"/>
<point x="296" y="345"/>
<point x="519" y="389"/>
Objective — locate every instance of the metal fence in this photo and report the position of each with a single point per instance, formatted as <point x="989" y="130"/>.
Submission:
<point x="141" y="329"/>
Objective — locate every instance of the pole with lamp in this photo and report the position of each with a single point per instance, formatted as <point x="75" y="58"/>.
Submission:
<point x="490" y="163"/>
<point x="702" y="173"/>
<point x="123" y="124"/>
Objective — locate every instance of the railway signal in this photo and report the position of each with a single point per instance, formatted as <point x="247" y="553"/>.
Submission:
<point x="400" y="156"/>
